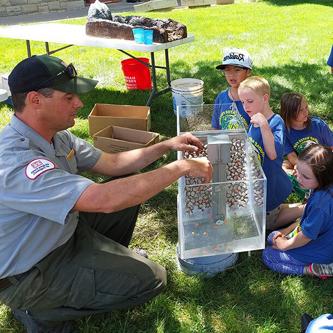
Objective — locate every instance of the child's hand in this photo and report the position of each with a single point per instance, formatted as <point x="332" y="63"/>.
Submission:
<point x="280" y="243"/>
<point x="259" y="120"/>
<point x="277" y="234"/>
<point x="275" y="240"/>
<point x="294" y="173"/>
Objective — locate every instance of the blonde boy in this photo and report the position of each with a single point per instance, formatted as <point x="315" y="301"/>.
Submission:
<point x="267" y="134"/>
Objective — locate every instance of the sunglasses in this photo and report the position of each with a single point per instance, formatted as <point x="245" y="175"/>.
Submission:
<point x="70" y="71"/>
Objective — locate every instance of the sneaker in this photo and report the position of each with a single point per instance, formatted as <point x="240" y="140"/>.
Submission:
<point x="141" y="252"/>
<point x="323" y="271"/>
<point x="35" y="326"/>
<point x="305" y="321"/>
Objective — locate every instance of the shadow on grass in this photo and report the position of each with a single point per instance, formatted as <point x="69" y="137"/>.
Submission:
<point x="308" y="79"/>
<point x="248" y="298"/>
<point x="164" y="206"/>
<point x="298" y="2"/>
<point x="245" y="299"/>
<point x="155" y="316"/>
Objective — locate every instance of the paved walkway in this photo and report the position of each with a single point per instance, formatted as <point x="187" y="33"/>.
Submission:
<point x="117" y="7"/>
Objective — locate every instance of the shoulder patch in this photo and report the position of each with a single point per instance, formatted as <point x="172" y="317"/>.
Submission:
<point x="36" y="167"/>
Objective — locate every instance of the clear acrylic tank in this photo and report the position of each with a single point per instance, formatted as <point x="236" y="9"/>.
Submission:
<point x="227" y="215"/>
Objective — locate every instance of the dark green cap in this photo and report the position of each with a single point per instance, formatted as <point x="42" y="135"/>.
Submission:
<point x="45" y="71"/>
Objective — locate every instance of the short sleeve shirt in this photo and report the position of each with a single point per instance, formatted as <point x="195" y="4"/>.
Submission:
<point x="39" y="186"/>
<point x="317" y="224"/>
<point x="278" y="184"/>
<point x="229" y="114"/>
<point x="317" y="132"/>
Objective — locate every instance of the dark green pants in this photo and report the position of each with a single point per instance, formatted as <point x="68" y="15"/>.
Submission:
<point x="93" y="272"/>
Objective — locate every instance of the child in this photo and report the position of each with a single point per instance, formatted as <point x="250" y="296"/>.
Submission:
<point x="267" y="134"/>
<point x="330" y="60"/>
<point x="309" y="241"/>
<point x="228" y="109"/>
<point x="302" y="130"/>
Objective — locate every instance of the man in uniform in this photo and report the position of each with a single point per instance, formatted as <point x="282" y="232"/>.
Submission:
<point x="64" y="238"/>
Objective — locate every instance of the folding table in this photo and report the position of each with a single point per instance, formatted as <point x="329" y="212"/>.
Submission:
<point x="72" y="34"/>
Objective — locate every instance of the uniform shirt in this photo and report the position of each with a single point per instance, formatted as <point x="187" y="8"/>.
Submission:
<point x="229" y="114"/>
<point x="317" y="224"/>
<point x="278" y="184"/>
<point x="317" y="132"/>
<point x="38" y="189"/>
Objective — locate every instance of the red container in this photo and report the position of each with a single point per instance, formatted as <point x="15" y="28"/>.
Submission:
<point x="137" y="75"/>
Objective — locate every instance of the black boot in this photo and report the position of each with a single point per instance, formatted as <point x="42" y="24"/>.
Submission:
<point x="35" y="326"/>
<point x="305" y="321"/>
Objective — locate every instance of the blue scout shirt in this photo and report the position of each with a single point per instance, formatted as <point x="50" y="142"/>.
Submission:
<point x="38" y="189"/>
<point x="317" y="224"/>
<point x="278" y="184"/>
<point x="317" y="132"/>
<point x="229" y="114"/>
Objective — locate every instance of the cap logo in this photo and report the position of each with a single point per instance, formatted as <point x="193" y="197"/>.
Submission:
<point x="37" y="167"/>
<point x="232" y="55"/>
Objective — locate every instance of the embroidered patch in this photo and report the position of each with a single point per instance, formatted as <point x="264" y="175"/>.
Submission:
<point x="37" y="167"/>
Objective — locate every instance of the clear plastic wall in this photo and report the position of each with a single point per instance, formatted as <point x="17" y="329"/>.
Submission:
<point x="228" y="214"/>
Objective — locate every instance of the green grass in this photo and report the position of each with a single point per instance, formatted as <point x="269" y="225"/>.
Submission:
<point x="289" y="42"/>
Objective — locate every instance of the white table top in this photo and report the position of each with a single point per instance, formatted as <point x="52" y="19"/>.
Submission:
<point x="3" y="95"/>
<point x="76" y="35"/>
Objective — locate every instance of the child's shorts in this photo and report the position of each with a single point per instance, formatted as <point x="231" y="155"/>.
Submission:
<point x="271" y="218"/>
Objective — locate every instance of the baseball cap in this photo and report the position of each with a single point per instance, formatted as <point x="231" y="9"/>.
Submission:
<point x="236" y="57"/>
<point x="44" y="71"/>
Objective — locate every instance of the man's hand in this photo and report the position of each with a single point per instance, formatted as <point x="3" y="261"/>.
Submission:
<point x="185" y="142"/>
<point x="199" y="167"/>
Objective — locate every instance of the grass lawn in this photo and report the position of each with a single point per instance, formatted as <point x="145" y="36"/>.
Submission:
<point x="289" y="42"/>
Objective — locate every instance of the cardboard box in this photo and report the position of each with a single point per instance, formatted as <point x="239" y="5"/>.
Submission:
<point x="131" y="116"/>
<point x="113" y="139"/>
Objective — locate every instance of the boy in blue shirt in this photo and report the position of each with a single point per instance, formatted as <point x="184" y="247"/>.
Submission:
<point x="228" y="109"/>
<point x="267" y="134"/>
